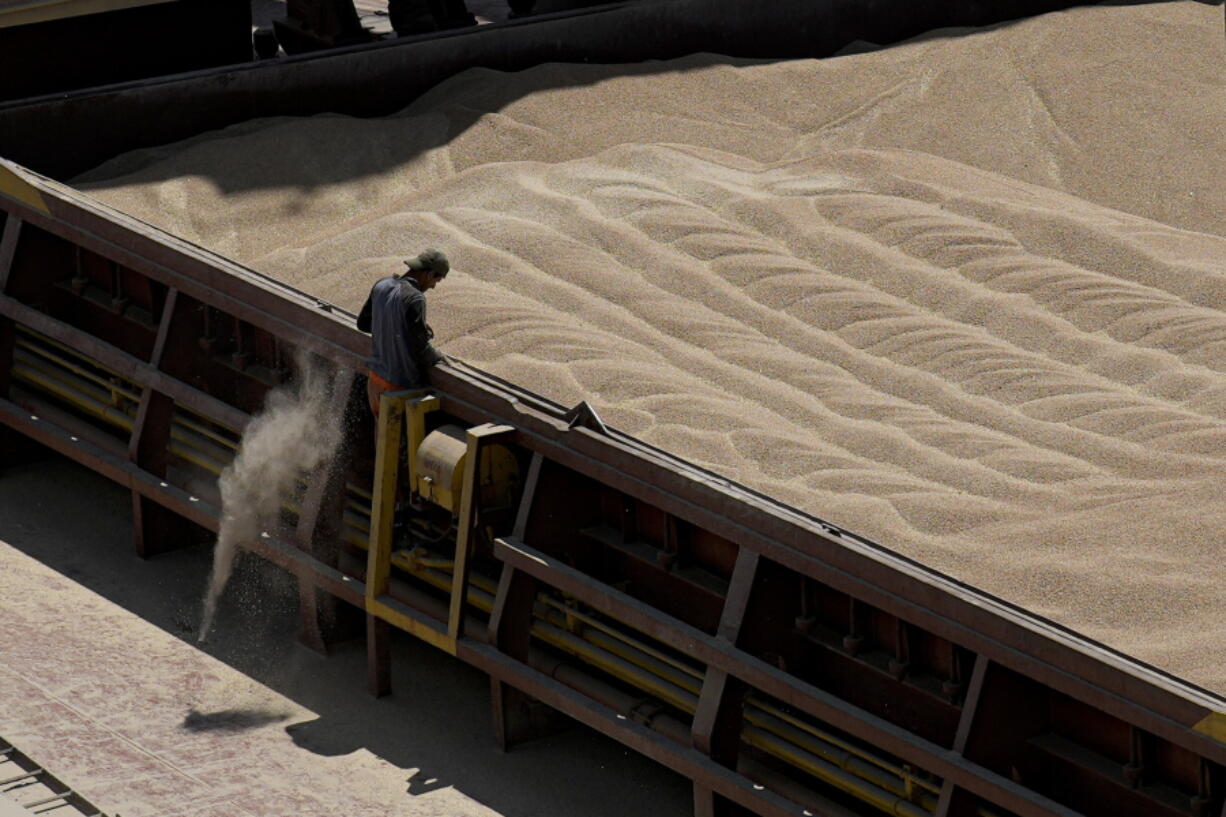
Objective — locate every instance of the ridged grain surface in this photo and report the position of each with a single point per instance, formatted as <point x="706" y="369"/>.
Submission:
<point x="962" y="296"/>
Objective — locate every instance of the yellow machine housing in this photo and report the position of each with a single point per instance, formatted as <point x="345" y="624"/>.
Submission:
<point x="439" y="472"/>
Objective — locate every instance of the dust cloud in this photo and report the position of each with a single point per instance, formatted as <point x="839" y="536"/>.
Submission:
<point x="294" y="437"/>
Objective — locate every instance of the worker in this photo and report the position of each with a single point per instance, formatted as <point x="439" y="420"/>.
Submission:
<point x="395" y="316"/>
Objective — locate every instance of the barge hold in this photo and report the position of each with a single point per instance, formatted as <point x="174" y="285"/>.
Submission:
<point x="783" y="664"/>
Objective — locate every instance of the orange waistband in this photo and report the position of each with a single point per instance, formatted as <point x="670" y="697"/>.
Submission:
<point x="387" y="385"/>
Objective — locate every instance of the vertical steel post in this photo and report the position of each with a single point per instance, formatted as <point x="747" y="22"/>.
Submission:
<point x="8" y="251"/>
<point x="510" y="623"/>
<point x="478" y="439"/>
<point x="10" y="441"/>
<point x="379" y="553"/>
<point x="953" y="801"/>
<point x="8" y="248"/>
<point x="717" y="720"/>
<point x="509" y="630"/>
<point x="154" y="528"/>
<point x="416" y="410"/>
<point x="319" y="529"/>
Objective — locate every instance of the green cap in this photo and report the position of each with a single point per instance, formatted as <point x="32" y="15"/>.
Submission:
<point x="429" y="261"/>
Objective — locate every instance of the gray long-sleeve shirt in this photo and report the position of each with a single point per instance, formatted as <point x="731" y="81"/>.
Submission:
<point x="395" y="316"/>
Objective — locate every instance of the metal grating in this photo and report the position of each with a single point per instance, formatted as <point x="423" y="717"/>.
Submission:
<point x="28" y="788"/>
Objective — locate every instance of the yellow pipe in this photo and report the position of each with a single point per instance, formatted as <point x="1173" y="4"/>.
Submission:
<point x="596" y="624"/>
<point x="230" y="433"/>
<point x="93" y="406"/>
<point x="182" y="418"/>
<point x="124" y="387"/>
<point x="103" y="392"/>
<point x="187" y="456"/>
<point x="478" y="597"/>
<point x="109" y="415"/>
<point x="180" y="444"/>
<point x="623" y="670"/>
<point x="624" y="647"/>
<point x="66" y="349"/>
<point x="832" y="775"/>
<point x="357" y="523"/>
<point x="867" y="790"/>
<point x="826" y="737"/>
<point x="185" y="438"/>
<point x="57" y="381"/>
<point x="848" y="760"/>
<point x="42" y="11"/>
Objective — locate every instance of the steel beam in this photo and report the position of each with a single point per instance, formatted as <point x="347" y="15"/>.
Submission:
<point x="118" y="469"/>
<point x="477" y="439"/>
<point x="154" y="527"/>
<point x="509" y="632"/>
<point x="318" y="530"/>
<point x="717" y="721"/>
<point x="510" y="624"/>
<point x="305" y="321"/>
<point x="379" y="551"/>
<point x="792" y="691"/>
<point x="8" y="248"/>
<point x="1069" y="663"/>
<point x="128" y="366"/>
<point x="686" y="761"/>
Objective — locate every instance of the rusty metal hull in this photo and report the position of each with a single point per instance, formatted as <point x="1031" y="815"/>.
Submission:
<point x="770" y="636"/>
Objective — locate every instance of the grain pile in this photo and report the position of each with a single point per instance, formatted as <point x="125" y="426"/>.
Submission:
<point x="962" y="296"/>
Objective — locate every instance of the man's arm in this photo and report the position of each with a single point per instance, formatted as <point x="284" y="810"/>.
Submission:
<point x="419" y="334"/>
<point x="364" y="317"/>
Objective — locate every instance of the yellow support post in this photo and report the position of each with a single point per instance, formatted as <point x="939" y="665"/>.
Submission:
<point x="379" y="548"/>
<point x="416" y="409"/>
<point x="478" y="437"/>
<point x="383" y="500"/>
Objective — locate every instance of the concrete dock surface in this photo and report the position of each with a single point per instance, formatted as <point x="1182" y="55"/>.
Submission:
<point x="102" y="681"/>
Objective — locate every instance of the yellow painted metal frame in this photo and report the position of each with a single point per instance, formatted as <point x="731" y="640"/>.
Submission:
<point x="13" y="185"/>
<point x="1213" y="725"/>
<point x="402" y="415"/>
<point x="477" y="438"/>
